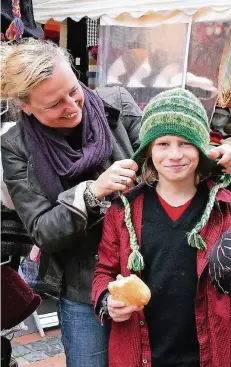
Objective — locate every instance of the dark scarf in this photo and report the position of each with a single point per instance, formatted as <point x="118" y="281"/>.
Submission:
<point x="55" y="160"/>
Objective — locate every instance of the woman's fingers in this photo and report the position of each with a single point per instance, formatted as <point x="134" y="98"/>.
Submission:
<point x="120" y="176"/>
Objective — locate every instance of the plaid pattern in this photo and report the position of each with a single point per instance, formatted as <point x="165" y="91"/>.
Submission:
<point x="129" y="343"/>
<point x="14" y="237"/>
<point x="220" y="264"/>
<point x="92" y="32"/>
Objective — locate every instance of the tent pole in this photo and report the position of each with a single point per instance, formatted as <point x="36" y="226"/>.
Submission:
<point x="186" y="53"/>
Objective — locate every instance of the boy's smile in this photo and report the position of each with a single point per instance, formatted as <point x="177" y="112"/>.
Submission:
<point x="175" y="158"/>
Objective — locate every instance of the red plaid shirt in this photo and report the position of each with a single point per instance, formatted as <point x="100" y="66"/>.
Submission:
<point x="129" y="342"/>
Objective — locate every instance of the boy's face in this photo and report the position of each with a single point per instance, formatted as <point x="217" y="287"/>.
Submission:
<point x="175" y="158"/>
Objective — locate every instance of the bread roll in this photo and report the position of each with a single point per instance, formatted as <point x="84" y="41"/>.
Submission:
<point x="131" y="290"/>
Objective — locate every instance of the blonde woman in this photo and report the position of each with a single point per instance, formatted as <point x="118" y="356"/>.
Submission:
<point x="58" y="168"/>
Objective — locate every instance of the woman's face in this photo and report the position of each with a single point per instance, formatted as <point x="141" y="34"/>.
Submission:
<point x="57" y="101"/>
<point x="174" y="158"/>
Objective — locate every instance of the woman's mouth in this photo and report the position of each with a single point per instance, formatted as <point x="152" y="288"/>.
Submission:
<point x="70" y="116"/>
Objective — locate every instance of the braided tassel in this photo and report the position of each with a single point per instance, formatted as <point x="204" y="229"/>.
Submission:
<point x="16" y="28"/>
<point x="135" y="260"/>
<point x="194" y="238"/>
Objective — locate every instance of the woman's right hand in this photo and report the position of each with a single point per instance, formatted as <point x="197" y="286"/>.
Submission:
<point x="118" y="177"/>
<point x="118" y="311"/>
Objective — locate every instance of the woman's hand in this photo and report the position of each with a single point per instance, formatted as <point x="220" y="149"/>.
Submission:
<point x="118" y="311"/>
<point x="119" y="177"/>
<point x="224" y="153"/>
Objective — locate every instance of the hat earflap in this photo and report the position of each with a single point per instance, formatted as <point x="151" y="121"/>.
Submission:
<point x="135" y="259"/>
<point x="194" y="237"/>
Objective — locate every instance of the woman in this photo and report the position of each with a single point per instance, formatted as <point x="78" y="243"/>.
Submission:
<point x="61" y="144"/>
<point x="58" y="167"/>
<point x="187" y="322"/>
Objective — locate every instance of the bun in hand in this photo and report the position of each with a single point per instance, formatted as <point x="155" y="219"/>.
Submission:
<point x="131" y="290"/>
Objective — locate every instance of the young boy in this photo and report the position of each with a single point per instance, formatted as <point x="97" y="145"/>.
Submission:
<point x="164" y="230"/>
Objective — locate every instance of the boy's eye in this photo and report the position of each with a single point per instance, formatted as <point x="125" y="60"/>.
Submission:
<point x="163" y="144"/>
<point x="186" y="143"/>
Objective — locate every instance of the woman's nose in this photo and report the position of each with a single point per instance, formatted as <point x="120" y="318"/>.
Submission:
<point x="70" y="102"/>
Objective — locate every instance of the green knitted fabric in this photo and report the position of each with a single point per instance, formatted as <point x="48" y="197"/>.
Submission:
<point x="174" y="112"/>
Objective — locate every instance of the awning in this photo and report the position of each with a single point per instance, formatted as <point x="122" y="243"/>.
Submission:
<point x="132" y="12"/>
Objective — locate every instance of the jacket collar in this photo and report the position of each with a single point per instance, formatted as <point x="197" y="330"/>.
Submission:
<point x="222" y="195"/>
<point x="112" y="114"/>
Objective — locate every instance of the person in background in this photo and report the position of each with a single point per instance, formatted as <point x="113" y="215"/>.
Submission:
<point x="164" y="230"/>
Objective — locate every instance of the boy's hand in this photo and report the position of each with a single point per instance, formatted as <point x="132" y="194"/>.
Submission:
<point x="118" y="311"/>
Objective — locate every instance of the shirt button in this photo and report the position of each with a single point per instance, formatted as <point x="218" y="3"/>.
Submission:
<point x="142" y="323"/>
<point x="145" y="361"/>
<point x="97" y="257"/>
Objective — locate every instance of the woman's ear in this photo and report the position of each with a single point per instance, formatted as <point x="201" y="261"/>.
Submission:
<point x="25" y="107"/>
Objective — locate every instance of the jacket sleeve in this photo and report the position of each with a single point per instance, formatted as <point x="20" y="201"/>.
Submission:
<point x="132" y="117"/>
<point x="51" y="228"/>
<point x="108" y="265"/>
<point x="220" y="264"/>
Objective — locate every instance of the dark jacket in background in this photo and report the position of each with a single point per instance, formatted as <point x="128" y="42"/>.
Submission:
<point x="220" y="264"/>
<point x="67" y="239"/>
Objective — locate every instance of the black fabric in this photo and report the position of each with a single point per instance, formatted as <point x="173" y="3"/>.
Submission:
<point x="14" y="237"/>
<point x="170" y="272"/>
<point x="220" y="264"/>
<point x="77" y="46"/>
<point x="6" y="351"/>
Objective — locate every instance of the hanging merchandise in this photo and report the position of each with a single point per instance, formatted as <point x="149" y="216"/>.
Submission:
<point x="77" y="47"/>
<point x="92" y="32"/>
<point x="16" y="27"/>
<point x="17" y="20"/>
<point x="224" y="79"/>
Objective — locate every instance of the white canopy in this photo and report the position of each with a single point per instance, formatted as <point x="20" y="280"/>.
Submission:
<point x="132" y="12"/>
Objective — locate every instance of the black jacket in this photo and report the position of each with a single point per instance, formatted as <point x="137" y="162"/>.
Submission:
<point x="68" y="236"/>
<point x="220" y="264"/>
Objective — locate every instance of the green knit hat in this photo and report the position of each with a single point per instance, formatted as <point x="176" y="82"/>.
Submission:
<point x="175" y="112"/>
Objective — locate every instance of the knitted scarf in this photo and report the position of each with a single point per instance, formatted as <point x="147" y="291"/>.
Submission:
<point x="54" y="159"/>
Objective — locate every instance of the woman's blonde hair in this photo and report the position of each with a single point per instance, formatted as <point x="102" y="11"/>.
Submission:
<point x="26" y="64"/>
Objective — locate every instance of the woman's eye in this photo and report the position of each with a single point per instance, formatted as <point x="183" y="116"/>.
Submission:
<point x="74" y="91"/>
<point x="54" y="106"/>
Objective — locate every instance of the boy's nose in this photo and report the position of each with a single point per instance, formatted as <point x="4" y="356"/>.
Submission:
<point x="175" y="153"/>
